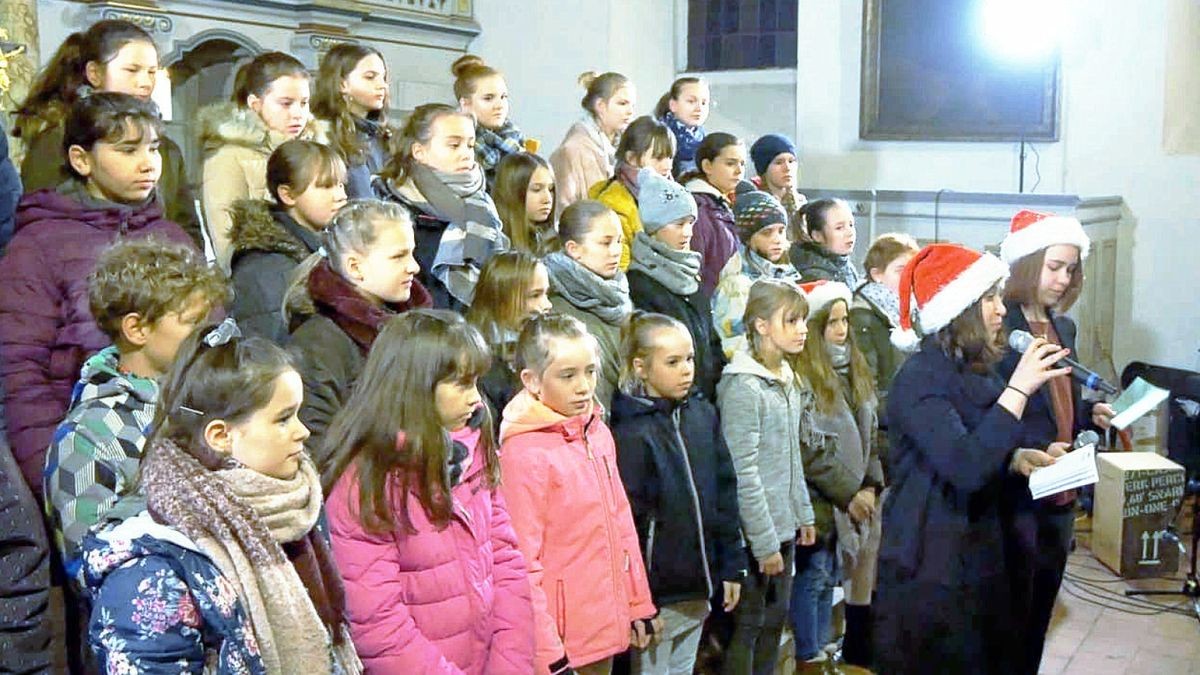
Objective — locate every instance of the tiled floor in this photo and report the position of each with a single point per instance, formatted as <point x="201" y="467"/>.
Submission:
<point x="1085" y="638"/>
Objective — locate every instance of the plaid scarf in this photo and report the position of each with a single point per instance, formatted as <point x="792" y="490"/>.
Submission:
<point x="491" y="146"/>
<point x="474" y="232"/>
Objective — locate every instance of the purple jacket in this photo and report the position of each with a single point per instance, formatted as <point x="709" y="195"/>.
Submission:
<point x="46" y="328"/>
<point x="452" y="601"/>
<point x="714" y="236"/>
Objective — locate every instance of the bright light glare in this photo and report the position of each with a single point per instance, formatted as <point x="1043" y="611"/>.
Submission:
<point x="1022" y="30"/>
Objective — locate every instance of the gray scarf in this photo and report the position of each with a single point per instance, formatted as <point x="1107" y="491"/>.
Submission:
<point x="588" y="291"/>
<point x="884" y="299"/>
<point x="474" y="233"/>
<point x="757" y="266"/>
<point x="679" y="271"/>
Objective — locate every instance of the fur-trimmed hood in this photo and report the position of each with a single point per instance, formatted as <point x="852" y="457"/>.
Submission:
<point x="260" y="226"/>
<point x="227" y="124"/>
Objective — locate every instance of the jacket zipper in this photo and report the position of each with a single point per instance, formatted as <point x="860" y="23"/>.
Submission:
<point x="687" y="464"/>
<point x="608" y="507"/>
<point x="650" y="546"/>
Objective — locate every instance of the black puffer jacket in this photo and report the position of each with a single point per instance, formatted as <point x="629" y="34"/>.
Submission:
<point x="267" y="246"/>
<point x="683" y="492"/>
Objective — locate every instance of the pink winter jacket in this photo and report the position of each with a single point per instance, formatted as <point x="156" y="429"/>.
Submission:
<point x="445" y="601"/>
<point x="576" y="530"/>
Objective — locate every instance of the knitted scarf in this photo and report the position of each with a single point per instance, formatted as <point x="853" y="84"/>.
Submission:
<point x="687" y="139"/>
<point x="883" y="299"/>
<point x="588" y="291"/>
<point x="261" y="534"/>
<point x="757" y="266"/>
<point x="607" y="145"/>
<point x="812" y="257"/>
<point x="358" y="317"/>
<point x="679" y="271"/>
<point x="474" y="232"/>
<point x="493" y="145"/>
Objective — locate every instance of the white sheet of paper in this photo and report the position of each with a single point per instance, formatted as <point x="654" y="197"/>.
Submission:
<point x="1074" y="469"/>
<point x="1139" y="398"/>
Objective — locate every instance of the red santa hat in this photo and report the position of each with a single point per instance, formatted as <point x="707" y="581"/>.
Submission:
<point x="943" y="280"/>
<point x="821" y="294"/>
<point x="1031" y="232"/>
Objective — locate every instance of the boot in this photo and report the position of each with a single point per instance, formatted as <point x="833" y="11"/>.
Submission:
<point x="856" y="645"/>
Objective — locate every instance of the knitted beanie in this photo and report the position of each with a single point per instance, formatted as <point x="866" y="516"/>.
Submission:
<point x="662" y="201"/>
<point x="767" y="148"/>
<point x="754" y="209"/>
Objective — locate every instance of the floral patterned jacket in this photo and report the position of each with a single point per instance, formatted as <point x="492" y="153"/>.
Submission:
<point x="159" y="605"/>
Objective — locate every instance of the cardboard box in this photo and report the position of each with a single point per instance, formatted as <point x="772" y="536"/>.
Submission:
<point x="1137" y="497"/>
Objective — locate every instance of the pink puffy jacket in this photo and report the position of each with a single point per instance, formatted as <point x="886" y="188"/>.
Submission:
<point x="448" y="601"/>
<point x="575" y="528"/>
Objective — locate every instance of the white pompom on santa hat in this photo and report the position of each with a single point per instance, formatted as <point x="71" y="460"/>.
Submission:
<point x="1032" y="231"/>
<point x="943" y="280"/>
<point x="822" y="293"/>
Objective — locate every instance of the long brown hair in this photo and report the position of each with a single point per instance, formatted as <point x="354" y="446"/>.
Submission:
<point x="816" y="366"/>
<point x="58" y="85"/>
<point x="1026" y="277"/>
<point x="966" y="339"/>
<point x="390" y="429"/>
<point x="417" y="129"/>
<point x="513" y="174"/>
<point x="329" y="103"/>
<point x="499" y="302"/>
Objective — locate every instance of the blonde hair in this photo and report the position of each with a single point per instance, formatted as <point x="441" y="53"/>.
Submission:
<point x="534" y="346"/>
<point x="637" y="342"/>
<point x="499" y="301"/>
<point x="767" y="297"/>
<point x="599" y="88"/>
<point x="354" y="228"/>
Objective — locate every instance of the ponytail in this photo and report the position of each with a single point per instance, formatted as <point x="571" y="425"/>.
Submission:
<point x="664" y="104"/>
<point x="637" y="343"/>
<point x="599" y="88"/>
<point x="257" y="76"/>
<point x="354" y="228"/>
<point x="64" y="78"/>
<point x="417" y="129"/>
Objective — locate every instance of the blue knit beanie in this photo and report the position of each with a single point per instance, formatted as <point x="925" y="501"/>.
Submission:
<point x="767" y="148"/>
<point x="662" y="201"/>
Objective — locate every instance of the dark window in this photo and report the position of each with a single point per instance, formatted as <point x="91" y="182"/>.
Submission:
<point x="741" y="34"/>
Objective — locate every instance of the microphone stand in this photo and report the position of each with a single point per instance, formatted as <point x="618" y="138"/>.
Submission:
<point x="1191" y="583"/>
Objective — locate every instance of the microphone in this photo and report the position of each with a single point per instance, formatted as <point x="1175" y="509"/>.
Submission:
<point x="1020" y="341"/>
<point x="1085" y="438"/>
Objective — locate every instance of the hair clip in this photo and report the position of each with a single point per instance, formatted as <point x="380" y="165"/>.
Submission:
<point x="193" y="411"/>
<point x="322" y="252"/>
<point x="223" y="333"/>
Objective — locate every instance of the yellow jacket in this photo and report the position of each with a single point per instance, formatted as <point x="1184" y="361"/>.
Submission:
<point x="616" y="196"/>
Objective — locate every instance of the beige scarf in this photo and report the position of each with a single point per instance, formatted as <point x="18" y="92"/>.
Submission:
<point x="240" y="520"/>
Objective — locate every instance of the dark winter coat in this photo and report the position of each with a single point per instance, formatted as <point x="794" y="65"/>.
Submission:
<point x="362" y="170"/>
<point x="1038" y="420"/>
<point x="46" y="327"/>
<point x="683" y="491"/>
<point x="267" y="246"/>
<point x="714" y="235"/>
<point x="951" y="445"/>
<point x="44" y="166"/>
<point x="814" y="263"/>
<point x="10" y="192"/>
<point x="332" y="337"/>
<point x="24" y="575"/>
<point x="693" y="311"/>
